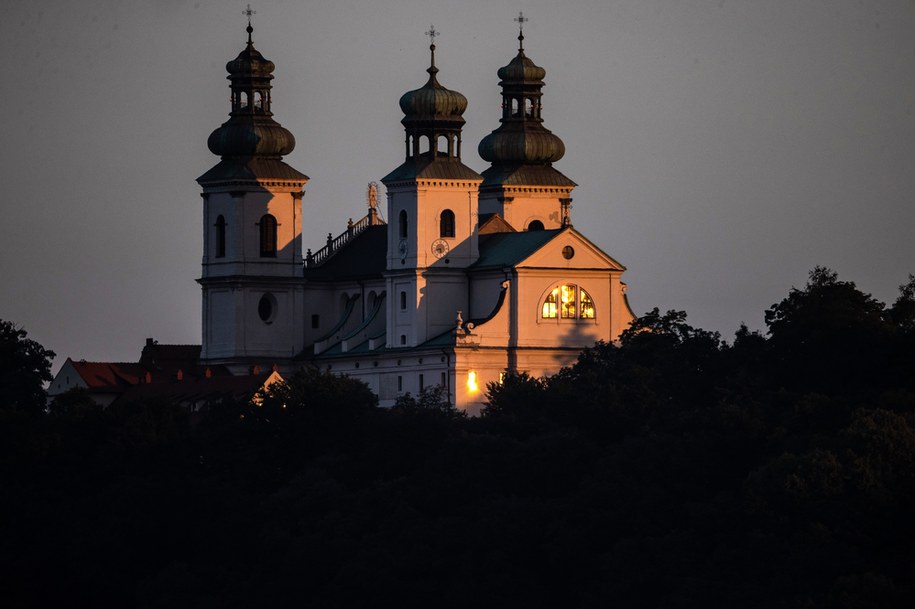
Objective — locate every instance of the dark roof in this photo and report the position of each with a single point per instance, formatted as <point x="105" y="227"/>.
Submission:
<point x="537" y="175"/>
<point x="427" y="167"/>
<point x="364" y="256"/>
<point x="507" y="249"/>
<point x="197" y="389"/>
<point x="251" y="169"/>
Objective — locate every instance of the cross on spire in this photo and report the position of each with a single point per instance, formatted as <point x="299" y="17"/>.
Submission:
<point x="521" y="20"/>
<point x="432" y="34"/>
<point x="248" y="12"/>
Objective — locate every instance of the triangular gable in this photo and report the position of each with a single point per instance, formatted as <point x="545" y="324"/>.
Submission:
<point x="585" y="254"/>
<point x="495" y="224"/>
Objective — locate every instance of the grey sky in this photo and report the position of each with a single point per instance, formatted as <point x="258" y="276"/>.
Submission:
<point x="722" y="147"/>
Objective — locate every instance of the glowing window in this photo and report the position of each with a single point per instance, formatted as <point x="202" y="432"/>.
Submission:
<point x="567" y="295"/>
<point x="587" y="306"/>
<point x="568" y="301"/>
<point x="472" y="386"/>
<point x="549" y="305"/>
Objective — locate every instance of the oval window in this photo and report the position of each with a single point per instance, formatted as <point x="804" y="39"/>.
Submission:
<point x="266" y="308"/>
<point x="568" y="252"/>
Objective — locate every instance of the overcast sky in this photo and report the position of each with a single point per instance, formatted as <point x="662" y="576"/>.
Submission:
<point x="722" y="147"/>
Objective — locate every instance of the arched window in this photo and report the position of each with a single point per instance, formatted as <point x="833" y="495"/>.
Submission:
<point x="568" y="301"/>
<point x="268" y="236"/>
<point x="220" y="237"/>
<point x="587" y="305"/>
<point x="549" y="305"/>
<point x="535" y="225"/>
<point x="403" y="224"/>
<point x="446" y="224"/>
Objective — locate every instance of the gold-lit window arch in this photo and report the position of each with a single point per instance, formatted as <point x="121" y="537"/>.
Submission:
<point x="568" y="301"/>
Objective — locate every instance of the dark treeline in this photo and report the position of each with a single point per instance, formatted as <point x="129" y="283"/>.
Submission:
<point x="676" y="470"/>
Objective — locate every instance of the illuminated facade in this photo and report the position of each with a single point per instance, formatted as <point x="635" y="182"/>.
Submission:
<point x="474" y="274"/>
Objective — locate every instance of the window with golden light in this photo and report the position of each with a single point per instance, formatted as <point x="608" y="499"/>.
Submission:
<point x="567" y="301"/>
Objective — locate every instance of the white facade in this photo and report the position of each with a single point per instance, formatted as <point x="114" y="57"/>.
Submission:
<point x="474" y="275"/>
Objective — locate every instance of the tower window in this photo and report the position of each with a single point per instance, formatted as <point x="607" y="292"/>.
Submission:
<point x="266" y="308"/>
<point x="268" y="236"/>
<point x="446" y="224"/>
<point x="422" y="385"/>
<point x="220" y="237"/>
<point x="403" y="301"/>
<point x="403" y="224"/>
<point x="315" y="321"/>
<point x="535" y="225"/>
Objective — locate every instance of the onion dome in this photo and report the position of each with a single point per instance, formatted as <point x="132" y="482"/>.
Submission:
<point x="521" y="139"/>
<point x="251" y="130"/>
<point x="432" y="121"/>
<point x="433" y="103"/>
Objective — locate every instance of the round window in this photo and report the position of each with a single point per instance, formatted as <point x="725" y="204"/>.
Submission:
<point x="568" y="252"/>
<point x="266" y="308"/>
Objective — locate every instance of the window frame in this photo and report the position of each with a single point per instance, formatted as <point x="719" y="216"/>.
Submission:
<point x="267" y="231"/>
<point x="446" y="228"/>
<point x="555" y="306"/>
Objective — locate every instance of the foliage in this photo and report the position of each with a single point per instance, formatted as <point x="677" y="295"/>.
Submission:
<point x="25" y="366"/>
<point x="671" y="470"/>
<point x="432" y="401"/>
<point x="312" y="393"/>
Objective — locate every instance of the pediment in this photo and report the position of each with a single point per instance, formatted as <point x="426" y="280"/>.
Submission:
<point x="583" y="254"/>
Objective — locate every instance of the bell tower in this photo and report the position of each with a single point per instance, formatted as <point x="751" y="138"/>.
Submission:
<point x="432" y="215"/>
<point x="521" y="184"/>
<point x="252" y="227"/>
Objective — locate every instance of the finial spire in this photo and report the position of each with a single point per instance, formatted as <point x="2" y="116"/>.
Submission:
<point x="248" y="12"/>
<point x="521" y="20"/>
<point x="432" y="34"/>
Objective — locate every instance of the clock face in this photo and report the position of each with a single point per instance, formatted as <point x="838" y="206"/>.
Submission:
<point x="439" y="248"/>
<point x="403" y="249"/>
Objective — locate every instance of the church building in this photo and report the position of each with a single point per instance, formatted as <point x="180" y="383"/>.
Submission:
<point x="475" y="274"/>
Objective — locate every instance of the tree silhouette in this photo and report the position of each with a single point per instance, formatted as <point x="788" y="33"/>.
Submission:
<point x="24" y="368"/>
